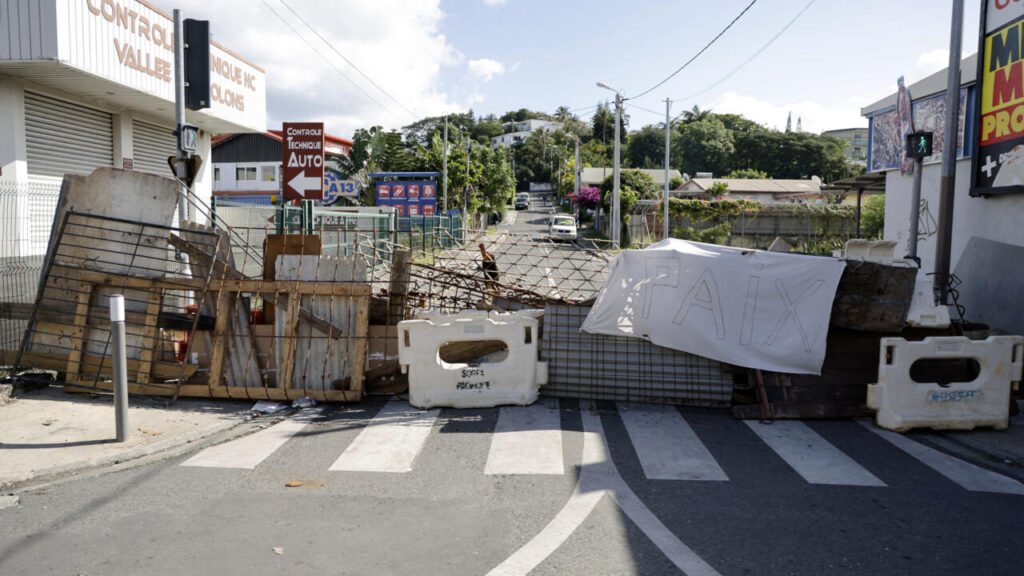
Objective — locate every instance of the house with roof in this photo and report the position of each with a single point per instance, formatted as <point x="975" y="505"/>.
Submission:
<point x="516" y="132"/>
<point x="767" y="191"/>
<point x="248" y="166"/>
<point x="592" y="177"/>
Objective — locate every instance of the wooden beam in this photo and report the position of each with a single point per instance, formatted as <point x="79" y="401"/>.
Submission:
<point x="79" y="337"/>
<point x="286" y="371"/>
<point x="221" y="269"/>
<point x="321" y="324"/>
<point x="359" y="344"/>
<point x="246" y="286"/>
<point x="58" y="363"/>
<point x="401" y="262"/>
<point x="149" y="336"/>
<point x="225" y="307"/>
<point x="239" y="392"/>
<point x="59" y="314"/>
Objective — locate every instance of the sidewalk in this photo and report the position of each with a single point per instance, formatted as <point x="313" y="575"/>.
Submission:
<point x="998" y="450"/>
<point x="48" y="432"/>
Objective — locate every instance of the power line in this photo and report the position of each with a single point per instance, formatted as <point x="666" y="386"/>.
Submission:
<point x="695" y="56"/>
<point x="342" y="56"/>
<point x="754" y="55"/>
<point x="339" y="70"/>
<point x="634" y="105"/>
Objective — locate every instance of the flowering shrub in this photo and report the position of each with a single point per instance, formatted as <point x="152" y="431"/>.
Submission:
<point x="588" y="197"/>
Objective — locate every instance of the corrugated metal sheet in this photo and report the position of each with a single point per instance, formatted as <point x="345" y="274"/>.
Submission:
<point x="66" y="138"/>
<point x="599" y="367"/>
<point x="248" y="148"/>
<point x="28" y="30"/>
<point x="151" y="146"/>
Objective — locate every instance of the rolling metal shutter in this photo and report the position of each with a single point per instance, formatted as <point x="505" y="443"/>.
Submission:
<point x="65" y="138"/>
<point x="151" y="145"/>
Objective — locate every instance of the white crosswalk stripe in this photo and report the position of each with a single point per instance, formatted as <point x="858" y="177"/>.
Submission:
<point x="527" y="440"/>
<point x="666" y="445"/>
<point x="247" y="452"/>
<point x="971" y="477"/>
<point x="811" y="456"/>
<point x="390" y="442"/>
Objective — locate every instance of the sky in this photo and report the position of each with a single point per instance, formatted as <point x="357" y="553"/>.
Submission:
<point x="359" y="63"/>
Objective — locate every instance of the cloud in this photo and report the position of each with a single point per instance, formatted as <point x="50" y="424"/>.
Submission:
<point x="930" y="63"/>
<point x="486" y="68"/>
<point x="495" y="2"/>
<point x="397" y="44"/>
<point x="815" y="117"/>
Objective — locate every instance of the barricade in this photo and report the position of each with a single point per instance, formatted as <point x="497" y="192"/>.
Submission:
<point x="903" y="404"/>
<point x="511" y="376"/>
<point x="880" y="251"/>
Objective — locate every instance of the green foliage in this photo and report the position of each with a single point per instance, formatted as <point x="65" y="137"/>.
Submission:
<point x="646" y="148"/>
<point x="718" y="189"/>
<point x="872" y="219"/>
<point x="748" y="174"/>
<point x="701" y="210"/>
<point x="641" y="184"/>
<point x="675" y="183"/>
<point x="717" y="234"/>
<point x="707" y="146"/>
<point x="523" y="114"/>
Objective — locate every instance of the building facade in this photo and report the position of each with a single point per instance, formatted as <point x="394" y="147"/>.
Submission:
<point x="856" y="140"/>
<point x="987" y="235"/>
<point x="248" y="166"/>
<point x="519" y="131"/>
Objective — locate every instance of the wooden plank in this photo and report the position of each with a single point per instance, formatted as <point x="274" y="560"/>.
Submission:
<point x="225" y="307"/>
<point x="237" y="392"/>
<point x="59" y="314"/>
<point x="149" y="334"/>
<point x="286" y="371"/>
<point x="398" y="288"/>
<point x="203" y="259"/>
<point x="321" y="324"/>
<point x="58" y="363"/>
<point x="80" y="333"/>
<point x="359" y="344"/>
<point x="278" y="244"/>
<point x="245" y="286"/>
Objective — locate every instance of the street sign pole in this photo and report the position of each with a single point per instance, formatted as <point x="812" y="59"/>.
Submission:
<point x="444" y="171"/>
<point x="947" y="185"/>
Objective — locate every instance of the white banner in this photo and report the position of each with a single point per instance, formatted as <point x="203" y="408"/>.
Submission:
<point x="765" y="310"/>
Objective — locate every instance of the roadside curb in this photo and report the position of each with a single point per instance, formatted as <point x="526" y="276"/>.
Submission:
<point x="169" y="447"/>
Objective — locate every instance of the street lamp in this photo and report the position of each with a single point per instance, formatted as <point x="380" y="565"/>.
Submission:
<point x="616" y="217"/>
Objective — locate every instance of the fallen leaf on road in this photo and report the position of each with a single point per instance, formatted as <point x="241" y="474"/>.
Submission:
<point x="279" y="550"/>
<point x="295" y="483"/>
<point x="149" y="432"/>
<point x="48" y="422"/>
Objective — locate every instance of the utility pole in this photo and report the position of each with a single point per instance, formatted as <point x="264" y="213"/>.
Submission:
<point x="465" y="190"/>
<point x="947" y="185"/>
<point x="444" y="170"/>
<point x="668" y="131"/>
<point x="576" y="175"/>
<point x="616" y="216"/>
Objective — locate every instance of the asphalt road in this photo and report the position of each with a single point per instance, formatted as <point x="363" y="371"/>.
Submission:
<point x="387" y="489"/>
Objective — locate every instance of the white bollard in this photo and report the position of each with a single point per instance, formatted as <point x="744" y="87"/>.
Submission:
<point x="120" y="360"/>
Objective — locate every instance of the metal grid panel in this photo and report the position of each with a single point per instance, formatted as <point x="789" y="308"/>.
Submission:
<point x="598" y="367"/>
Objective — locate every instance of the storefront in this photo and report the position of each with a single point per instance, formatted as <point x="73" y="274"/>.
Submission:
<point x="90" y="83"/>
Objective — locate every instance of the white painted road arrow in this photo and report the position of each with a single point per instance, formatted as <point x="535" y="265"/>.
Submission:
<point x="301" y="183"/>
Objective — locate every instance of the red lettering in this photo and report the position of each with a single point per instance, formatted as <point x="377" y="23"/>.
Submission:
<point x="1008" y="84"/>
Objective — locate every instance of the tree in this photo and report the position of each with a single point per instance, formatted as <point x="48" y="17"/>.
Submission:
<point x="706" y="145"/>
<point x="603" y="124"/>
<point x="562" y="114"/>
<point x="748" y="174"/>
<point x="646" y="148"/>
<point x="872" y="218"/>
<point x="641" y="185"/>
<point x="695" y="115"/>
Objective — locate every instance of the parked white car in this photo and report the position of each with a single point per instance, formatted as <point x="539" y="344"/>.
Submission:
<point x="562" y="227"/>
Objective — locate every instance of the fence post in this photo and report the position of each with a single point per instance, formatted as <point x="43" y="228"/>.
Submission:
<point x="120" y="362"/>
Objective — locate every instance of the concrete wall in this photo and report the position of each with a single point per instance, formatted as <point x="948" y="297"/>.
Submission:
<point x="995" y="224"/>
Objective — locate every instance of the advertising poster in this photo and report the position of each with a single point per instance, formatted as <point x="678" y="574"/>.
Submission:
<point x="383" y="191"/>
<point x="997" y="166"/>
<point x="429" y="191"/>
<point x="398" y="190"/>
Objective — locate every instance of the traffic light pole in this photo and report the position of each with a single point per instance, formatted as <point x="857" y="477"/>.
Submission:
<point x="915" y="211"/>
<point x="185" y="210"/>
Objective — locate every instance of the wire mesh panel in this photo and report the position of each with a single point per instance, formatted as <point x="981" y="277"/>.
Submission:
<point x="599" y="367"/>
<point x="26" y="217"/>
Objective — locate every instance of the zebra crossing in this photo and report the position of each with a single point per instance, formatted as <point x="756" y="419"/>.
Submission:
<point x="528" y="441"/>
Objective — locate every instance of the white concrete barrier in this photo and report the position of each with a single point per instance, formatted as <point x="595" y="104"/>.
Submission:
<point x="510" y="377"/>
<point x="903" y="404"/>
<point x="880" y="251"/>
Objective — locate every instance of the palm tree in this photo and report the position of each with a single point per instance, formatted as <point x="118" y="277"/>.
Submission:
<point x="562" y="114"/>
<point x="695" y="115"/>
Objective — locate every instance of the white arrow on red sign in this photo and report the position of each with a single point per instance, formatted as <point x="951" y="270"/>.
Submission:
<point x="301" y="183"/>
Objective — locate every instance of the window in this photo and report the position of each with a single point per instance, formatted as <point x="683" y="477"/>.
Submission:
<point x="216" y="174"/>
<point x="245" y="173"/>
<point x="268" y="173"/>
